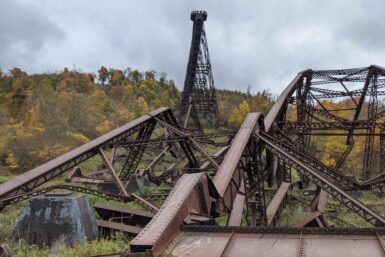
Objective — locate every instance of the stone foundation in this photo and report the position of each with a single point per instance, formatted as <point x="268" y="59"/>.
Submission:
<point x="64" y="219"/>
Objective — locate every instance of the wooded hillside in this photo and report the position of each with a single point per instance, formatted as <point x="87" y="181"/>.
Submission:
<point x="45" y="115"/>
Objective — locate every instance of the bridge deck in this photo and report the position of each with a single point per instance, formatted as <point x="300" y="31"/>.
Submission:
<point x="262" y="244"/>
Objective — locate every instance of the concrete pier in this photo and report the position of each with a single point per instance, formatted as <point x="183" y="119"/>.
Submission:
<point x="50" y="218"/>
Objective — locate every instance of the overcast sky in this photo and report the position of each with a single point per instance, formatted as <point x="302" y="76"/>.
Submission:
<point x="258" y="43"/>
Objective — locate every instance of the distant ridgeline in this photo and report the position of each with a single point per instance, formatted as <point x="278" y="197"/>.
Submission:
<point x="45" y="115"/>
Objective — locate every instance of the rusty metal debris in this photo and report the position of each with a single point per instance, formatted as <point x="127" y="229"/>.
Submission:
<point x="229" y="203"/>
<point x="4" y="251"/>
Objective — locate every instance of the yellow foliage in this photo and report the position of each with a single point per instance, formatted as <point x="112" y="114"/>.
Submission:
<point x="34" y="121"/>
<point x="50" y="151"/>
<point x="100" y="102"/>
<point x="141" y="107"/>
<point x="129" y="89"/>
<point x="328" y="160"/>
<point x="239" y="114"/>
<point x="124" y="115"/>
<point x="103" y="127"/>
<point x="334" y="147"/>
<point x="78" y="137"/>
<point x="18" y="130"/>
<point x="11" y="161"/>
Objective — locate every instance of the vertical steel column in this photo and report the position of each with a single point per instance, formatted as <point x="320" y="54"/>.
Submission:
<point x="369" y="140"/>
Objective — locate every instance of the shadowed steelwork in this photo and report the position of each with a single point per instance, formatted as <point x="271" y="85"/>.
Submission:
<point x="199" y="101"/>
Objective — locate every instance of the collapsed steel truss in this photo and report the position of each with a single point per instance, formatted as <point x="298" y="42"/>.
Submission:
<point x="236" y="181"/>
<point x="265" y="151"/>
<point x="125" y="145"/>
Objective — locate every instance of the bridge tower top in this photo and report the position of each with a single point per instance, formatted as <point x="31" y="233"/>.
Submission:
<point x="198" y="15"/>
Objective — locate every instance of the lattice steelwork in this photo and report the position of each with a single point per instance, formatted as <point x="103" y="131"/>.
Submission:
<point x="199" y="100"/>
<point x="356" y="116"/>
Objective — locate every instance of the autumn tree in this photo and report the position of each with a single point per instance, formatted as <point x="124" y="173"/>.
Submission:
<point x="103" y="74"/>
<point x="17" y="73"/>
<point x="17" y="100"/>
<point x="149" y="75"/>
<point x="239" y="114"/>
<point x="117" y="77"/>
<point x="135" y="76"/>
<point x="141" y="107"/>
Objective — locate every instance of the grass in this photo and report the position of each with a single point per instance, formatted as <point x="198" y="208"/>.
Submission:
<point x="4" y="179"/>
<point x="222" y="220"/>
<point x="8" y="219"/>
<point x="86" y="249"/>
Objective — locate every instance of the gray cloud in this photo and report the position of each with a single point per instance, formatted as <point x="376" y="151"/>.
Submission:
<point x="258" y="43"/>
<point x="25" y="31"/>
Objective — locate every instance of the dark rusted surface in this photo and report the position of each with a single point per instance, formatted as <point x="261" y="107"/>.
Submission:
<point x="276" y="202"/>
<point x="165" y="225"/>
<point x="227" y="171"/>
<point x="118" y="226"/>
<point x="4" y="251"/>
<point x="199" y="96"/>
<point x="123" y="214"/>
<point x="108" y="211"/>
<point x="115" y="176"/>
<point x="312" y="217"/>
<point x="312" y="174"/>
<point x="87" y="190"/>
<point x="237" y="211"/>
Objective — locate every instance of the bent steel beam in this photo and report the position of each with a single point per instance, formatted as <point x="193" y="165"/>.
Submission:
<point x="39" y="175"/>
<point x="190" y="193"/>
<point x="277" y="202"/>
<point x="237" y="211"/>
<point x="331" y="188"/>
<point x="279" y="108"/>
<point x="227" y="179"/>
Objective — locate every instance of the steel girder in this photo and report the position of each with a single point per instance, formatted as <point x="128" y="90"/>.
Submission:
<point x="329" y="186"/>
<point x="363" y="118"/>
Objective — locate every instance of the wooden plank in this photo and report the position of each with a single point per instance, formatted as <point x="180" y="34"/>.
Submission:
<point x="118" y="226"/>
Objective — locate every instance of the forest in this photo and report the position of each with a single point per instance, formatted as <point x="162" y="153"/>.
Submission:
<point x="45" y="115"/>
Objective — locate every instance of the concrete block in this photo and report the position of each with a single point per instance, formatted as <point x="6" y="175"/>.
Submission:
<point x="48" y="219"/>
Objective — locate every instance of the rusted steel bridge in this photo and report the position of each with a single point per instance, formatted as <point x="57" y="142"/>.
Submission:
<point x="245" y="178"/>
